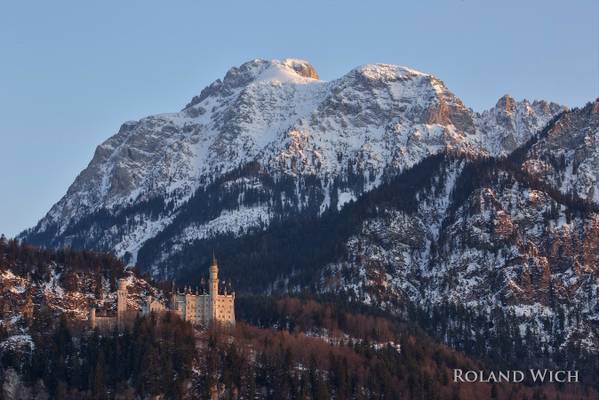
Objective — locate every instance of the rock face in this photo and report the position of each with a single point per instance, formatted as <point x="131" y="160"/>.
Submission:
<point x="568" y="157"/>
<point x="509" y="124"/>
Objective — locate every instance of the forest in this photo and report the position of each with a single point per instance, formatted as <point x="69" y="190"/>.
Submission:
<point x="282" y="347"/>
<point x="302" y="349"/>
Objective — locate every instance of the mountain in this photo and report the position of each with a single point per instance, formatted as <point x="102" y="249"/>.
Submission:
<point x="380" y="188"/>
<point x="335" y="140"/>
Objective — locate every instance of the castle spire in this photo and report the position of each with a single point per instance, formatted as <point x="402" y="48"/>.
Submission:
<point x="213" y="259"/>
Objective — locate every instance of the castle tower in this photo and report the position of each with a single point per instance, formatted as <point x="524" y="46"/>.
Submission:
<point x="213" y="277"/>
<point x="121" y="300"/>
<point x="213" y="287"/>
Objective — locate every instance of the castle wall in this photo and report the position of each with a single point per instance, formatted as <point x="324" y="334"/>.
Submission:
<point x="152" y="306"/>
<point x="200" y="308"/>
<point x="192" y="307"/>
<point x="225" y="308"/>
<point x="203" y="309"/>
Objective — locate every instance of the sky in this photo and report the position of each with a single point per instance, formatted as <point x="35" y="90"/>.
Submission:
<point x="71" y="72"/>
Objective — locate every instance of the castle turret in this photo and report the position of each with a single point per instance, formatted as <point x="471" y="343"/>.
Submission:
<point x="213" y="287"/>
<point x="174" y="293"/>
<point x="213" y="277"/>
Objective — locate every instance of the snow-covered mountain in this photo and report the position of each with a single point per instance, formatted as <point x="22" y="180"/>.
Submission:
<point x="374" y="121"/>
<point x="380" y="185"/>
<point x="516" y="236"/>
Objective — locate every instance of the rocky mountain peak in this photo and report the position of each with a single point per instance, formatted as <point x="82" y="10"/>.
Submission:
<point x="301" y="67"/>
<point x="506" y="103"/>
<point x="288" y="70"/>
<point x="567" y="157"/>
<point x="510" y="122"/>
<point x="385" y="72"/>
<point x="283" y="71"/>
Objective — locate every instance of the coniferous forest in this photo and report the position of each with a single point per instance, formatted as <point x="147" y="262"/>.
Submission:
<point x="282" y="347"/>
<point x="289" y="348"/>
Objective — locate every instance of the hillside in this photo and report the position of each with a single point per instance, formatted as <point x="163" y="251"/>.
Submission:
<point x="285" y="348"/>
<point x="38" y="285"/>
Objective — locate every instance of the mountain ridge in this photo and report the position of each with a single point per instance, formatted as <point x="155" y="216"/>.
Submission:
<point x="375" y="119"/>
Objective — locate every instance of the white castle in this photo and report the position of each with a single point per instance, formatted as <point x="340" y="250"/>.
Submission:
<point x="203" y="308"/>
<point x="197" y="308"/>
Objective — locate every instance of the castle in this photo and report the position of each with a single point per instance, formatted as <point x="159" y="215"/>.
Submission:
<point x="199" y="308"/>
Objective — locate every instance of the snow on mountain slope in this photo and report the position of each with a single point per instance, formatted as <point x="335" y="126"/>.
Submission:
<point x="375" y="120"/>
<point x="499" y="244"/>
<point x="58" y="297"/>
<point x="167" y="154"/>
<point x="39" y="285"/>
<point x="509" y="124"/>
<point x="568" y="157"/>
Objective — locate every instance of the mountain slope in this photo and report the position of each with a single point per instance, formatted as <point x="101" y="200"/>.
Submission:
<point x="287" y="348"/>
<point x="38" y="285"/>
<point x="568" y="157"/>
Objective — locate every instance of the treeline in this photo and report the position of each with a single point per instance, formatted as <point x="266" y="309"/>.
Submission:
<point x="39" y="263"/>
<point x="89" y="231"/>
<point x="154" y="358"/>
<point x="267" y="364"/>
<point x="293" y="202"/>
<point x="494" y="339"/>
<point x="308" y="315"/>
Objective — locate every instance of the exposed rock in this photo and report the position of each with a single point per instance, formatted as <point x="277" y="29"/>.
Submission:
<point x="568" y="157"/>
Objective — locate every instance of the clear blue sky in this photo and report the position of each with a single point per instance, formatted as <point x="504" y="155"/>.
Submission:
<point x="72" y="71"/>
